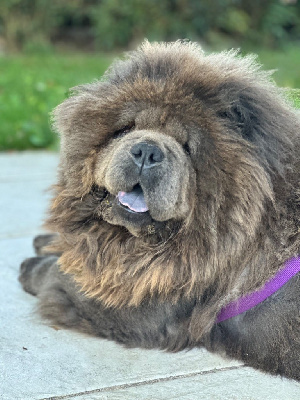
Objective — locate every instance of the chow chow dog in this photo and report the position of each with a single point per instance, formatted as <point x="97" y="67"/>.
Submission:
<point x="177" y="197"/>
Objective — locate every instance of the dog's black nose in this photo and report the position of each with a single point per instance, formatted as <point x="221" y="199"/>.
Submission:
<point x="146" y="155"/>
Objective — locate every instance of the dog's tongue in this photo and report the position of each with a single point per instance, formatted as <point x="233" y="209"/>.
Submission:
<point x="134" y="200"/>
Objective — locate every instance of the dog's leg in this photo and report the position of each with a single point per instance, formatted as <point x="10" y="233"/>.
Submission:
<point x="59" y="300"/>
<point x="33" y="273"/>
<point x="62" y="303"/>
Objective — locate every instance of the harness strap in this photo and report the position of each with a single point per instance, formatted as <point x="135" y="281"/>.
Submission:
<point x="245" y="303"/>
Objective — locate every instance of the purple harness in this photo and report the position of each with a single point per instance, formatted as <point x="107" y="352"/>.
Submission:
<point x="239" y="306"/>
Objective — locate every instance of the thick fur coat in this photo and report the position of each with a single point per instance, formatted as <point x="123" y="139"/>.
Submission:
<point x="178" y="192"/>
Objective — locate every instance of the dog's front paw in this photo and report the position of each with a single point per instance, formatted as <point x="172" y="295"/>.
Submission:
<point x="41" y="242"/>
<point x="34" y="272"/>
<point x="27" y="272"/>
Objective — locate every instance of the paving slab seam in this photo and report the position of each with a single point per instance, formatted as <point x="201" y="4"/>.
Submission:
<point x="143" y="383"/>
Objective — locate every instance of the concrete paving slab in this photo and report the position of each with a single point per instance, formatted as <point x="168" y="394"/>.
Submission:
<point x="40" y="362"/>
<point x="28" y="165"/>
<point x="23" y="207"/>
<point x="24" y="181"/>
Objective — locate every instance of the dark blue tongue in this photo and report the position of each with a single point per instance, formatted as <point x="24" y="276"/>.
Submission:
<point x="134" y="200"/>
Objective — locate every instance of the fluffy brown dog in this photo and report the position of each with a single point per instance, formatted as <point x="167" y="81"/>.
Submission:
<point x="178" y="192"/>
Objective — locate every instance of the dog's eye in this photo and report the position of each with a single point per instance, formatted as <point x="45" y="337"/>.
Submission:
<point x="186" y="148"/>
<point x="123" y="131"/>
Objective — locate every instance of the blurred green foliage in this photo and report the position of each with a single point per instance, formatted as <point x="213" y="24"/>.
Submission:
<point x="35" y="22"/>
<point x="268" y="22"/>
<point x="111" y="24"/>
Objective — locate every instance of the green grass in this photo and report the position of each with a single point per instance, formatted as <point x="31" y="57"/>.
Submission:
<point x="31" y="86"/>
<point x="286" y="64"/>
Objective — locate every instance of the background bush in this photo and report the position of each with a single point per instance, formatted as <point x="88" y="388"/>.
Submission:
<point x="111" y="24"/>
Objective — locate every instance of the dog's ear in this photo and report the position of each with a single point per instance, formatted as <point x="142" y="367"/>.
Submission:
<point x="260" y="115"/>
<point x="247" y="113"/>
<point x="67" y="117"/>
<point x="82" y="123"/>
<point x="84" y="119"/>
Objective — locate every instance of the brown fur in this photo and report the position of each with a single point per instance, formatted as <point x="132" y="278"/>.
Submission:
<point x="223" y="208"/>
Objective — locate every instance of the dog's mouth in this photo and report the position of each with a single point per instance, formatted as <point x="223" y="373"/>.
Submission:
<point x="129" y="209"/>
<point x="134" y="201"/>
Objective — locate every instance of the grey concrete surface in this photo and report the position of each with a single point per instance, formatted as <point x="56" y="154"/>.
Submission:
<point x="41" y="362"/>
